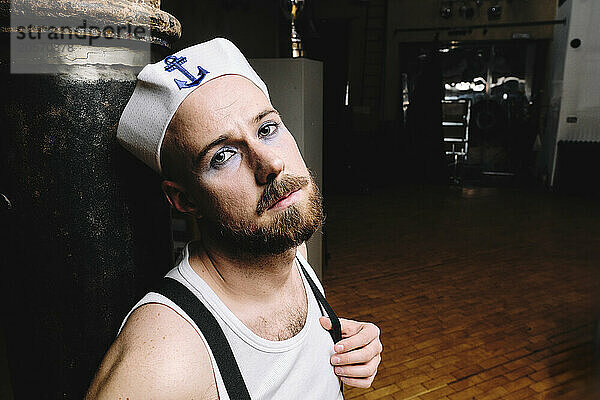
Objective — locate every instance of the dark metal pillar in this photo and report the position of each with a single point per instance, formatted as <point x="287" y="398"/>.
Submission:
<point x="84" y="229"/>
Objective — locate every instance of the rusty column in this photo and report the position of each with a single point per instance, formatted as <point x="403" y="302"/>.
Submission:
<point x="84" y="229"/>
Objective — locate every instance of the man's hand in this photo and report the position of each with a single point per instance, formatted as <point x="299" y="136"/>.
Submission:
<point x="358" y="354"/>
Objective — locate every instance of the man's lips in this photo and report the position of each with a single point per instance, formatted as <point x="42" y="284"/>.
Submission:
<point x="282" y="201"/>
<point x="281" y="193"/>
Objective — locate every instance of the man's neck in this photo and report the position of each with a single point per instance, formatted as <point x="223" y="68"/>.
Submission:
<point x="243" y="278"/>
<point x="266" y="293"/>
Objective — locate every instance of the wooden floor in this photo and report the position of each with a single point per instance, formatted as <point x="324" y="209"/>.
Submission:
<point x="480" y="293"/>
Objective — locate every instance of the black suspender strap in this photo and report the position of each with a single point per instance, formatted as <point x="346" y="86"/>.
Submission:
<point x="206" y="322"/>
<point x="336" y="330"/>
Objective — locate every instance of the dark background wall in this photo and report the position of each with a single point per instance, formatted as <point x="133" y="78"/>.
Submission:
<point x="365" y="46"/>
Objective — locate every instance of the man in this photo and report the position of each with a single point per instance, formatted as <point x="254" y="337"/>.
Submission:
<point x="227" y="159"/>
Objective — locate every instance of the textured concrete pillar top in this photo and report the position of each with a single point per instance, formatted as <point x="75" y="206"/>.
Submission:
<point x="165" y="28"/>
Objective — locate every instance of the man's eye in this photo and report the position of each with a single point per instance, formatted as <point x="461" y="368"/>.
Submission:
<point x="268" y="129"/>
<point x="221" y="157"/>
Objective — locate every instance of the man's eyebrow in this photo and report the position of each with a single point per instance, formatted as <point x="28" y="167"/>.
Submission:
<point x="263" y="114"/>
<point x="206" y="149"/>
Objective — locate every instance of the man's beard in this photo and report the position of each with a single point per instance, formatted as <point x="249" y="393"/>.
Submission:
<point x="289" y="227"/>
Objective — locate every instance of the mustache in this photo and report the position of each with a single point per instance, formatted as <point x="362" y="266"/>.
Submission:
<point x="278" y="189"/>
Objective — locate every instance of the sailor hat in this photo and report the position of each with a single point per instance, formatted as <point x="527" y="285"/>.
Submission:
<point x="162" y="87"/>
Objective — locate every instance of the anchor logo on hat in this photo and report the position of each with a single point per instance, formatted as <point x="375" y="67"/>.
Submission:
<point x="175" y="63"/>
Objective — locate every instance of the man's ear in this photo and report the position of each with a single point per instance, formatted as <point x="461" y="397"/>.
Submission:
<point x="179" y="198"/>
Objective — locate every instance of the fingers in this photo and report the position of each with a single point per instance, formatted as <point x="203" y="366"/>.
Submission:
<point x="359" y="370"/>
<point x="350" y="327"/>
<point x="358" y="382"/>
<point x="325" y="323"/>
<point x="360" y="376"/>
<point x="358" y="356"/>
<point x="365" y="334"/>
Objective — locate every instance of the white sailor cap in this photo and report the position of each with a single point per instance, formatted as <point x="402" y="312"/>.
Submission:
<point x="162" y="87"/>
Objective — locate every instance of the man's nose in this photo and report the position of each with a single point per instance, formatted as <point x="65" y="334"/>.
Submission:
<point x="268" y="164"/>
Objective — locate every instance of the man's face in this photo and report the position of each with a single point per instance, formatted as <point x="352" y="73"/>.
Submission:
<point x="251" y="186"/>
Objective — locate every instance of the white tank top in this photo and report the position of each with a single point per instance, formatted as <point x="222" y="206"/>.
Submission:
<point x="295" y="368"/>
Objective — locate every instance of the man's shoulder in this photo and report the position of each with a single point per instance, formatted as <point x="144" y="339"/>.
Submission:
<point x="157" y="352"/>
<point x="153" y="321"/>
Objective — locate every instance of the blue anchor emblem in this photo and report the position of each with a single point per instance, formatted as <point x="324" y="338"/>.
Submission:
<point x="174" y="63"/>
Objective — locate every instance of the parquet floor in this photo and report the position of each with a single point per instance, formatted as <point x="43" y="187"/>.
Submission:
<point x="480" y="293"/>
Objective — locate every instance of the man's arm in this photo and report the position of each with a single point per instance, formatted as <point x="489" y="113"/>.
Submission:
<point x="158" y="355"/>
